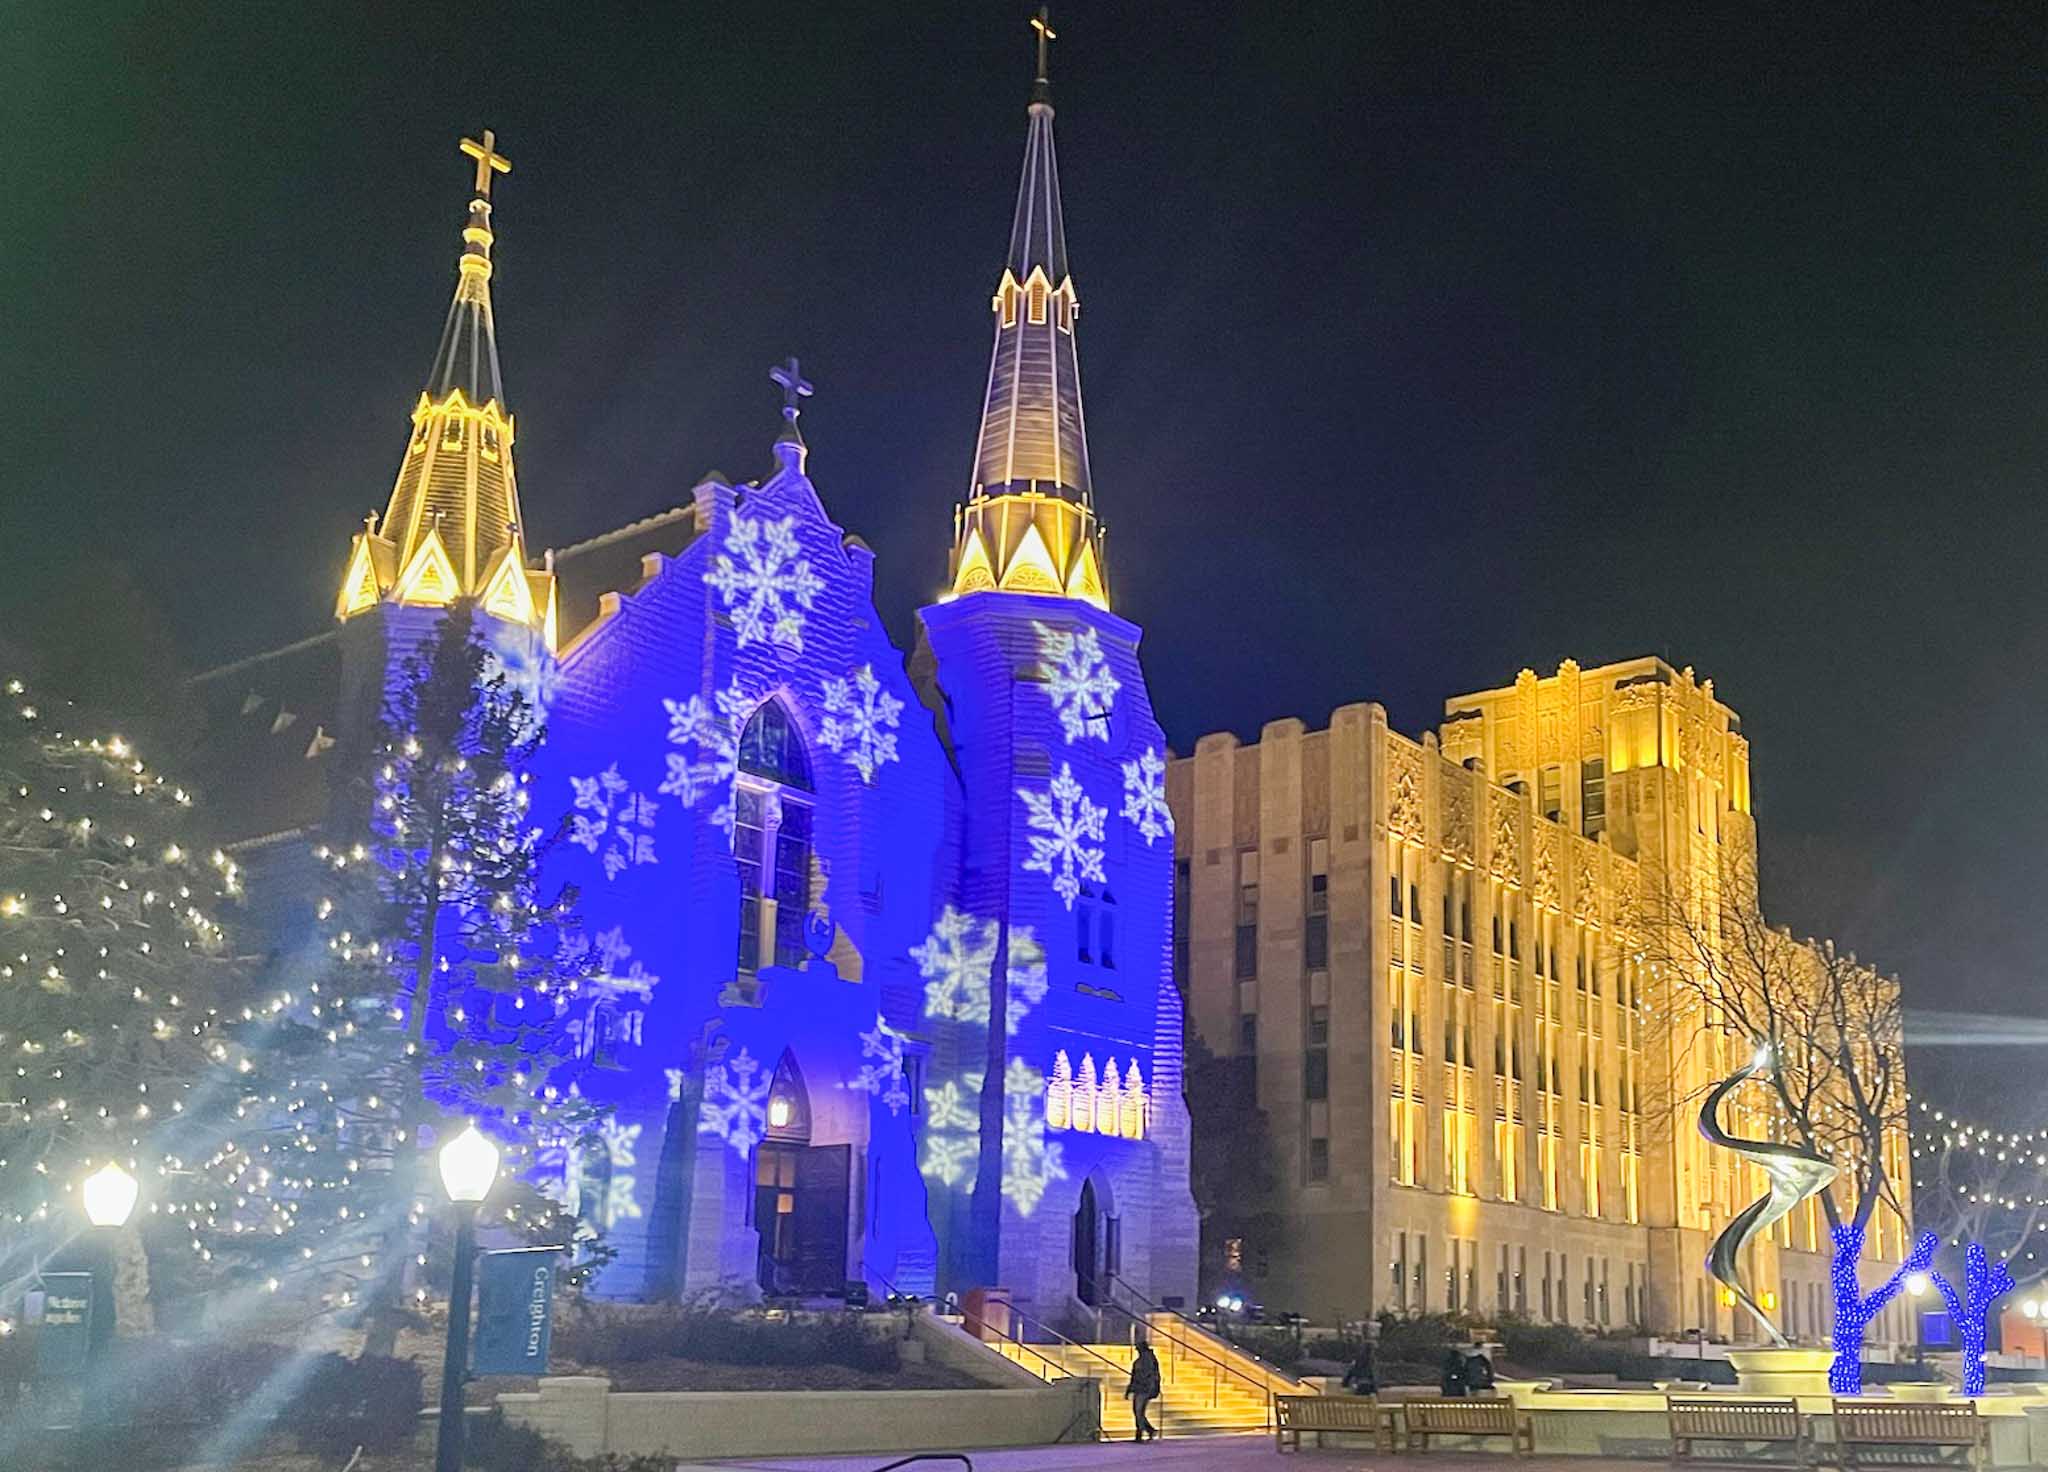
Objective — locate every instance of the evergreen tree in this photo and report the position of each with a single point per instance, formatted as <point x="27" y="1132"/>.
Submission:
<point x="114" y="969"/>
<point x="447" y="990"/>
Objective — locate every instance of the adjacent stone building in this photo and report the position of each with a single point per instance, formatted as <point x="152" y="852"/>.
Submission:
<point x="1433" y="952"/>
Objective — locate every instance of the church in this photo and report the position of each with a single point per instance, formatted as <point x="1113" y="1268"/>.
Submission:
<point x="886" y="995"/>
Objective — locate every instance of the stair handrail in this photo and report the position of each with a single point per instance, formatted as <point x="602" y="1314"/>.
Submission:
<point x="1022" y="1317"/>
<point x="1216" y="1366"/>
<point x="1293" y="1384"/>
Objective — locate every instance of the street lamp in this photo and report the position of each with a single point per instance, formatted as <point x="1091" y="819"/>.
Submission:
<point x="110" y="1194"/>
<point x="1916" y="1285"/>
<point x="469" y="1164"/>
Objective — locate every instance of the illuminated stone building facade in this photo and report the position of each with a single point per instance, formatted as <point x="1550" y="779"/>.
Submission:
<point x="884" y="990"/>
<point x="1434" y="953"/>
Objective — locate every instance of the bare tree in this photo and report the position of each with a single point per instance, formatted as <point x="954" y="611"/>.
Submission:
<point x="1732" y="982"/>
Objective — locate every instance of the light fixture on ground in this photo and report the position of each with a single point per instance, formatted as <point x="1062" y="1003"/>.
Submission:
<point x="469" y="1165"/>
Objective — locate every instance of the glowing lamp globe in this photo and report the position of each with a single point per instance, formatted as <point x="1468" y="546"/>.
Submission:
<point x="2031" y="1308"/>
<point x="469" y="1163"/>
<point x="110" y="1194"/>
<point x="779" y="1112"/>
<point x="1916" y="1283"/>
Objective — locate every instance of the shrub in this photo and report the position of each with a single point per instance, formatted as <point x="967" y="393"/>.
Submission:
<point x="595" y="1334"/>
<point x="493" y="1444"/>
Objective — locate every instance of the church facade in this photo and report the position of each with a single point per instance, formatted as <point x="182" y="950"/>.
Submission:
<point x="884" y="990"/>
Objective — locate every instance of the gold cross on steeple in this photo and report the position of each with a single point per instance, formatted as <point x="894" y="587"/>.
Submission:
<point x="489" y="161"/>
<point x="1042" y="23"/>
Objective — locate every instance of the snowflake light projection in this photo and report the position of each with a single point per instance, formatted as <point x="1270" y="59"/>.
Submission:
<point x="1077" y="680"/>
<point x="735" y="1106"/>
<point x="952" y="1139"/>
<point x="620" y="1143"/>
<point x="608" y="815"/>
<point x="884" y="1076"/>
<point x="1145" y="795"/>
<point x="612" y="978"/>
<point x="957" y="962"/>
<point x="1065" y="821"/>
<point x="520" y="656"/>
<point x="764" y="582"/>
<point x="1029" y="1162"/>
<point x="861" y="719"/>
<point x="713" y="729"/>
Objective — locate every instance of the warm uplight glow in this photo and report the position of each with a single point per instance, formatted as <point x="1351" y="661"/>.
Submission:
<point x="469" y="1163"/>
<point x="2031" y="1308"/>
<point x="109" y="1194"/>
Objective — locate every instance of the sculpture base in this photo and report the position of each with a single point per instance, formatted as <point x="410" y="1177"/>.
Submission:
<point x="1790" y="1371"/>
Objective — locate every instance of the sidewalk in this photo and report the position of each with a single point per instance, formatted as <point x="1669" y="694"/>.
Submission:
<point x="1250" y="1452"/>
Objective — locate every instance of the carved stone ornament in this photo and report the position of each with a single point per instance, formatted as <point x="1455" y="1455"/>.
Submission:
<point x="1456" y="787"/>
<point x="1504" y="815"/>
<point x="1404" y="789"/>
<point x="1543" y="879"/>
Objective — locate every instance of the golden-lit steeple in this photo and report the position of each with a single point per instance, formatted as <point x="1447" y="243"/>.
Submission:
<point x="452" y="528"/>
<point x="1028" y="524"/>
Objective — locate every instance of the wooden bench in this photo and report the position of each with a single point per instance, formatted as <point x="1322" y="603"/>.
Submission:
<point x="1753" y="1421"/>
<point x="1865" y="1426"/>
<point x="1430" y="1415"/>
<point x="1358" y="1414"/>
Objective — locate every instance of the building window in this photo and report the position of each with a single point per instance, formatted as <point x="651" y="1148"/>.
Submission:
<point x="1318" y="1158"/>
<point x="1315" y="1074"/>
<point x="1037" y="290"/>
<point x="1593" y="796"/>
<point x="1548" y="1268"/>
<point x="1315" y="943"/>
<point x="1084" y="928"/>
<point x="1105" y="934"/>
<point x="1394" y="893"/>
<point x="772" y="836"/>
<point x="1008" y="304"/>
<point x="1397" y="1272"/>
<point x="1550" y="793"/>
<point x="1247" y="914"/>
<point x="451" y="432"/>
<point x="1588" y="1286"/>
<point x="1496" y="935"/>
<point x="1522" y="1280"/>
<point x="1318" y="1026"/>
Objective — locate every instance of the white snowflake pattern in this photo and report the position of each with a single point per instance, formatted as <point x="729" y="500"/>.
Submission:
<point x="713" y="728"/>
<point x="521" y="658"/>
<point x="620" y="1143"/>
<point x="735" y="1106"/>
<point x="764" y="581"/>
<point x="957" y="962"/>
<point x="1030" y="1163"/>
<point x="1065" y="820"/>
<point x="861" y="719"/>
<point x="612" y="978"/>
<point x="1145" y="795"/>
<point x="884" y="1076"/>
<point x="952" y="1107"/>
<point x="1077" y="680"/>
<point x="609" y="816"/>
<point x="949" y="1159"/>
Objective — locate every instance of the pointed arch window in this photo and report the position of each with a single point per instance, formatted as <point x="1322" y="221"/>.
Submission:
<point x="1038" y="301"/>
<point x="772" y="839"/>
<point x="1006" y="303"/>
<point x="451" y="433"/>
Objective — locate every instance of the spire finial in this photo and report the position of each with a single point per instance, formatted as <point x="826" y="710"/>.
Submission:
<point x="489" y="161"/>
<point x="1041" y="86"/>
<point x="794" y="386"/>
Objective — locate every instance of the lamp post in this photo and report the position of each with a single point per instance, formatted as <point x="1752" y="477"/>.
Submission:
<point x="1916" y="1288"/>
<point x="469" y="1164"/>
<point x="109" y="1196"/>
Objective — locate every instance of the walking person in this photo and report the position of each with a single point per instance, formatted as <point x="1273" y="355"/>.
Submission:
<point x="1143" y="1390"/>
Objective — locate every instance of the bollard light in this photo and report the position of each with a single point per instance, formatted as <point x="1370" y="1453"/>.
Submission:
<point x="110" y="1194"/>
<point x="469" y="1163"/>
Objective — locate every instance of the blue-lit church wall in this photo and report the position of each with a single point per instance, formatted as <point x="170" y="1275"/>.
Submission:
<point x="1067" y="867"/>
<point x="740" y="724"/>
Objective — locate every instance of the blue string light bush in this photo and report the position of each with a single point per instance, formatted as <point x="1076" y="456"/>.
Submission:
<point x="1855" y="1309"/>
<point x="1984" y="1284"/>
<point x="445" y="984"/>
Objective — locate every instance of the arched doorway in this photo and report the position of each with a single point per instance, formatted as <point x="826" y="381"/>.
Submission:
<point x="800" y="1195"/>
<point x="1098" y="1245"/>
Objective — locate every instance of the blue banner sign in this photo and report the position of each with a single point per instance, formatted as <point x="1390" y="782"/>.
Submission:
<point x="64" y="1341"/>
<point x="515" y="1311"/>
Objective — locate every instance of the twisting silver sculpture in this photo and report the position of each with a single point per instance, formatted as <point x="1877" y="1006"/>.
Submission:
<point x="1795" y="1173"/>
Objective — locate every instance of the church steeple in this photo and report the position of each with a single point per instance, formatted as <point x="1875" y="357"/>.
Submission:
<point x="1028" y="524"/>
<point x="452" y="527"/>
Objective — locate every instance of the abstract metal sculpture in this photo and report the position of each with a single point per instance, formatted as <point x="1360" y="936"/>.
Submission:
<point x="1794" y="1173"/>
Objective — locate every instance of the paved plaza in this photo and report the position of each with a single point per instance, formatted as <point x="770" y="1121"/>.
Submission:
<point x="1251" y="1452"/>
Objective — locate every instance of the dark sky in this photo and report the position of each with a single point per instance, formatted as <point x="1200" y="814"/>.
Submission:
<point x="1420" y="344"/>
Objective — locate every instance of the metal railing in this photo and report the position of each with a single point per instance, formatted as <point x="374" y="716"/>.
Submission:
<point x="927" y="1457"/>
<point x="1271" y="1381"/>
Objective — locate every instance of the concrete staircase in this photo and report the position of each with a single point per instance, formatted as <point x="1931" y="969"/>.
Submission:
<point x="1197" y="1396"/>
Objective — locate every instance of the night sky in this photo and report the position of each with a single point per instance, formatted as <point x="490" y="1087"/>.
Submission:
<point x="1418" y="346"/>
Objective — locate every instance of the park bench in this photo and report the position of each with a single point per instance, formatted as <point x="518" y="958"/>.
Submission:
<point x="1427" y="1416"/>
<point x="1359" y="1414"/>
<point x="1866" y="1426"/>
<point x="1753" y="1422"/>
